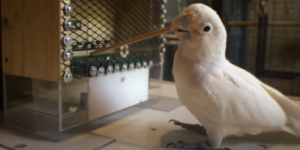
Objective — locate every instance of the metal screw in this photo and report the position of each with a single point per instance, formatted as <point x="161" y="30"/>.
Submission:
<point x="163" y="39"/>
<point x="163" y="10"/>
<point x="101" y="70"/>
<point x="110" y="69"/>
<point x="68" y="9"/>
<point x="150" y="63"/>
<point x="163" y="20"/>
<point x="93" y="71"/>
<point x="68" y="40"/>
<point x="162" y="49"/>
<point x="124" y="67"/>
<point x="117" y="68"/>
<point x="161" y="58"/>
<point x="145" y="64"/>
<point x="67" y="55"/>
<point x="131" y="66"/>
<point x="138" y="65"/>
<point x="67" y="76"/>
<point x="68" y="24"/>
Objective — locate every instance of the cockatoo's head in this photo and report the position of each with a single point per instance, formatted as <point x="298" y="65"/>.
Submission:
<point x="200" y="28"/>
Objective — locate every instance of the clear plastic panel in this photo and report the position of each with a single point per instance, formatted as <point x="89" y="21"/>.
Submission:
<point x="32" y="105"/>
<point x="43" y="107"/>
<point x="74" y="103"/>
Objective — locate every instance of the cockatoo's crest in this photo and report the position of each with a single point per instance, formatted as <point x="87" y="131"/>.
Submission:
<point x="200" y="29"/>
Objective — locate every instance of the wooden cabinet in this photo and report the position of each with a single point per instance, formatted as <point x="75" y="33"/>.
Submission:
<point x="31" y="44"/>
<point x="34" y="31"/>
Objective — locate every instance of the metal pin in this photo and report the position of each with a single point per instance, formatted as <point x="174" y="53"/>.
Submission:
<point x="117" y="68"/>
<point x="162" y="49"/>
<point x="110" y="69"/>
<point x="163" y="10"/>
<point x="124" y="67"/>
<point x="101" y="70"/>
<point x="131" y="66"/>
<point x="67" y="76"/>
<point x="93" y="71"/>
<point x="67" y="54"/>
<point x="138" y="65"/>
<point x="163" y="39"/>
<point x="150" y="63"/>
<point x="68" y="40"/>
<point x="145" y="64"/>
<point x="68" y="9"/>
<point x="68" y="24"/>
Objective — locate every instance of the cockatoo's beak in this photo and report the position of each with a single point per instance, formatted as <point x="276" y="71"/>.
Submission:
<point x="180" y="24"/>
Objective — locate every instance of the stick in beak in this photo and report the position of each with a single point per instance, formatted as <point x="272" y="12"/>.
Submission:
<point x="133" y="40"/>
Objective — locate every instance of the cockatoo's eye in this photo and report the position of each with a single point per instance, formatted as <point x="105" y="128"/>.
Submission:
<point x="206" y="28"/>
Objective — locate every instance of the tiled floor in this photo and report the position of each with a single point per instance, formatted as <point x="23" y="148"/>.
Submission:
<point x="87" y="141"/>
<point x="148" y="129"/>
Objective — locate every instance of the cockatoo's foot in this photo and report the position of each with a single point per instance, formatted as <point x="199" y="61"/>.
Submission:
<point x="194" y="146"/>
<point x="192" y="127"/>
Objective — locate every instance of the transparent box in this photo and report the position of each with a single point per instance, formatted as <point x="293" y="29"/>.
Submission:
<point x="58" y="110"/>
<point x="54" y="110"/>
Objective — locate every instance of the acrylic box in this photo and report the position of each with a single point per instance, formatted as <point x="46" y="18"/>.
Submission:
<point x="59" y="110"/>
<point x="53" y="87"/>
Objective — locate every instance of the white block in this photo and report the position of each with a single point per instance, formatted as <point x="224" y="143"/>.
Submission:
<point x="114" y="92"/>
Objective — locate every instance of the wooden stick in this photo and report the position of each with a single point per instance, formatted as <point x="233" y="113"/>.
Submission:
<point x="133" y="40"/>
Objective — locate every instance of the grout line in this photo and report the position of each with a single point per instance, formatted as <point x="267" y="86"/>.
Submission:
<point x="6" y="147"/>
<point x="101" y="147"/>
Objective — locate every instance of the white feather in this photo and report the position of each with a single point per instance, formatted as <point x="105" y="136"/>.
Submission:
<point x="226" y="99"/>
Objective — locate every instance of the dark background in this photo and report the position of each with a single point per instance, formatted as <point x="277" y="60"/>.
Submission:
<point x="1" y="75"/>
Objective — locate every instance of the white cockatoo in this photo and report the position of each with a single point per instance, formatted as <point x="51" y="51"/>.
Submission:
<point x="227" y="100"/>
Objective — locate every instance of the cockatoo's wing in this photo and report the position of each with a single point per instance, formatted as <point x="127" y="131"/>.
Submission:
<point x="242" y="100"/>
<point x="291" y="109"/>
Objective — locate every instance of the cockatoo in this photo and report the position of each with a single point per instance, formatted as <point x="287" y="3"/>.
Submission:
<point x="227" y="100"/>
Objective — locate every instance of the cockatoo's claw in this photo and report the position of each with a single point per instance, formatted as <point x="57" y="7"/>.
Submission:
<point x="170" y="144"/>
<point x="195" y="146"/>
<point x="180" y="142"/>
<point x="192" y="127"/>
<point x="174" y="121"/>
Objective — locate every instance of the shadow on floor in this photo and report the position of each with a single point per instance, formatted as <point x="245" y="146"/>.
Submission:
<point x="270" y="138"/>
